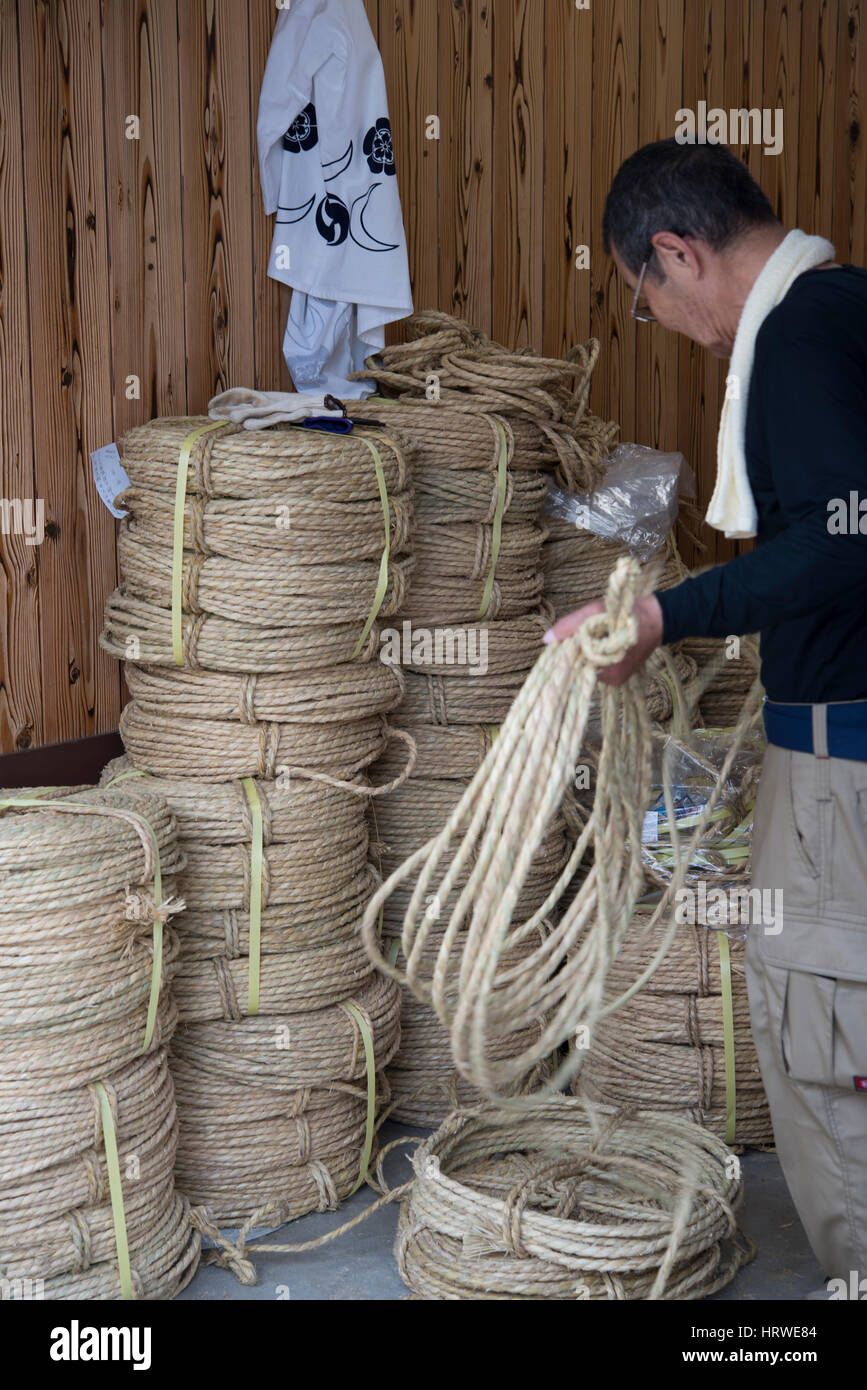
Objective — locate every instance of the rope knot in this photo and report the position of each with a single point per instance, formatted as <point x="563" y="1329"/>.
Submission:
<point x="604" y="641"/>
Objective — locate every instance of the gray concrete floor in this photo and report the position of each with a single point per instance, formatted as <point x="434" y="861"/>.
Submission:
<point x="359" y="1266"/>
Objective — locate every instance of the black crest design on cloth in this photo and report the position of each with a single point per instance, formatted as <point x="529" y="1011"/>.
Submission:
<point x="378" y="147"/>
<point x="332" y="219"/>
<point x="302" y="133"/>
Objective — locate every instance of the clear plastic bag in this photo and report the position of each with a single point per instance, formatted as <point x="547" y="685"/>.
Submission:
<point x="636" y="505"/>
<point x="693" y="768"/>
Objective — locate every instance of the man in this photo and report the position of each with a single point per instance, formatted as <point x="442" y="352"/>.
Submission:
<point x="689" y="229"/>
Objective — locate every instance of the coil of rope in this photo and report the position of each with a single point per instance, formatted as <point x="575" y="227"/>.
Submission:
<point x="498" y="823"/>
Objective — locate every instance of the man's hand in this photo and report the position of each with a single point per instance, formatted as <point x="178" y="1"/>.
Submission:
<point x="649" y="615"/>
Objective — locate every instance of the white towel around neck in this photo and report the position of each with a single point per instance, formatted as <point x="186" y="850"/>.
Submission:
<point x="732" y="508"/>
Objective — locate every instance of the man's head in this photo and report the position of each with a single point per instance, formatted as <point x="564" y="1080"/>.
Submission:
<point x="703" y="226"/>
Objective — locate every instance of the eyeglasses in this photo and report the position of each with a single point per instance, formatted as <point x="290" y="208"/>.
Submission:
<point x="643" y="315"/>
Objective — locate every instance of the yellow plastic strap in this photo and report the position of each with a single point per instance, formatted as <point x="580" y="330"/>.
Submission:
<point x="255" y="948"/>
<point x="393" y="950"/>
<point x="157" y="970"/>
<point x="382" y="583"/>
<point x="502" y="478"/>
<point x="370" y="1067"/>
<point x="178" y="541"/>
<point x="122" y="776"/>
<point x="729" y="1034"/>
<point x="116" y="1190"/>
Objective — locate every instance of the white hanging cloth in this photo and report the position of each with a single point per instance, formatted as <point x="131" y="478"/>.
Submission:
<point x="327" y="169"/>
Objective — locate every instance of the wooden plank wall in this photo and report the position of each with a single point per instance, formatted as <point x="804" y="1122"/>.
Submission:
<point x="132" y="270"/>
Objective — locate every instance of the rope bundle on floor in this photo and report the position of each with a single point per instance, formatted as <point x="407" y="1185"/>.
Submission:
<point x="565" y="1202"/>
<point x="88" y="1207"/>
<point x="275" y="1111"/>
<point x="257" y="569"/>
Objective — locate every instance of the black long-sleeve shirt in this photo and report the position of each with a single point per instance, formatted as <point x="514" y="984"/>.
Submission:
<point x="804" y="586"/>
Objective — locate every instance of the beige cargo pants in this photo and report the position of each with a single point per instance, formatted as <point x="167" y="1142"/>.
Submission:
<point x="807" y="981"/>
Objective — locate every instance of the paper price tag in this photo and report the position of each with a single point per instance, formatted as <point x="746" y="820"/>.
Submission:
<point x="109" y="475"/>
<point x="650" y="827"/>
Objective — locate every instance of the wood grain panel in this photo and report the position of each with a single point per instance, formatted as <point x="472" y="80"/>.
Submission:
<point x="270" y="298"/>
<point x="712" y="72"/>
<point x="567" y="209"/>
<point x="816" y="138"/>
<point x="20" y="681"/>
<point x="69" y="309"/>
<point x="518" y="164"/>
<point x="145" y="230"/>
<point x="539" y="105"/>
<point x="615" y="137"/>
<point x="465" y="225"/>
<point x="782" y="71"/>
<point x="850" y="165"/>
<point x="661" y="79"/>
<point x="217" y="168"/>
<point x="408" y="41"/>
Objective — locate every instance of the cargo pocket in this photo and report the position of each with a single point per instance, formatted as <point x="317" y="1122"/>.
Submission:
<point x="850" y="1035"/>
<point x="823" y="1030"/>
<point x="807" y="1027"/>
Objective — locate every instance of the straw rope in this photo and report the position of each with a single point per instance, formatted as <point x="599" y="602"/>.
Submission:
<point x="510" y="644"/>
<point x="451" y="439"/>
<point x="237" y="1167"/>
<point x="666" y="1046"/>
<point x="168" y="744"/>
<point x="562" y="1202"/>
<point x="474" y="373"/>
<point x="219" y="812"/>
<point x="467" y="551"/>
<point x="318" y="697"/>
<point x="139" y="631"/>
<point x="499" y="822"/>
<point x="424" y="1083"/>
<point x="436" y="600"/>
<point x="450" y="497"/>
<point x="273" y="1122"/>
<point x="263" y="590"/>
<point x="88" y="1126"/>
<point x="458" y="699"/>
<point x="277" y="525"/>
<point x="238" y="463"/>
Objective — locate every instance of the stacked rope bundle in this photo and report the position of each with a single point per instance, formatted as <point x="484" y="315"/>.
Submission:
<point x="88" y="1207"/>
<point x="724" y="676"/>
<point x="567" y="1202"/>
<point x="257" y="567"/>
<point x="683" y="1043"/>
<point x="258" y="551"/>
<point x="473" y="623"/>
<point x="458" y="365"/>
